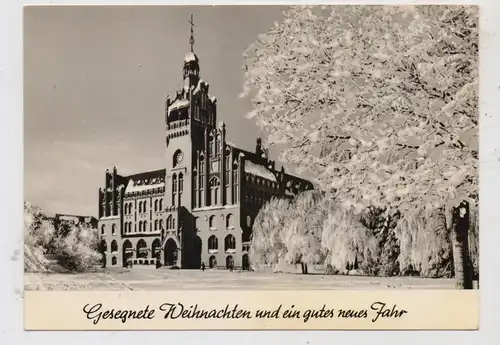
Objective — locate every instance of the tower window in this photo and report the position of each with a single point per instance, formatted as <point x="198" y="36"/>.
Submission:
<point x="217" y="145"/>
<point x="229" y="221"/>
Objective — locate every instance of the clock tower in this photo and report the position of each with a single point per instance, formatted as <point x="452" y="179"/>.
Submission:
<point x="190" y="119"/>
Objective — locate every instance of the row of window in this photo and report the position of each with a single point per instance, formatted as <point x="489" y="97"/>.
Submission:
<point x="104" y="246"/>
<point x="142" y="206"/>
<point x="157" y="225"/>
<point x="213" y="244"/>
<point x="214" y="190"/>
<point x="170" y="223"/>
<point x="211" y="221"/>
<point x="113" y="229"/>
<point x="229" y="243"/>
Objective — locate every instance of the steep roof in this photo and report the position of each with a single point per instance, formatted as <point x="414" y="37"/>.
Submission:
<point x="259" y="170"/>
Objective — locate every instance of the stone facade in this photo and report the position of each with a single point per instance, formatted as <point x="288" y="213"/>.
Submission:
<point x="201" y="207"/>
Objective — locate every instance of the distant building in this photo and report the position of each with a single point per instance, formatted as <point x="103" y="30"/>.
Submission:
<point x="75" y="219"/>
<point x="202" y="206"/>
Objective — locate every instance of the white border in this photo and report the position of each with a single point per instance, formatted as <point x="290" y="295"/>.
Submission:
<point x="11" y="199"/>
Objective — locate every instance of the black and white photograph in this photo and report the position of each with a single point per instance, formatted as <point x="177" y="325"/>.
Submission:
<point x="251" y="147"/>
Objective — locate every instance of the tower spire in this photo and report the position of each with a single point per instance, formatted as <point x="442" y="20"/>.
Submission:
<point x="191" y="39"/>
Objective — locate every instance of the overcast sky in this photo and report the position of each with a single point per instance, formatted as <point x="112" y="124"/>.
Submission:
<point x="95" y="82"/>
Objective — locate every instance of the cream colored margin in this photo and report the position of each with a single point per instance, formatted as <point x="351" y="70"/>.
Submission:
<point x="426" y="309"/>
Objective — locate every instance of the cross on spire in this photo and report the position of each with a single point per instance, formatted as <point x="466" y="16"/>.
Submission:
<point x="191" y="39"/>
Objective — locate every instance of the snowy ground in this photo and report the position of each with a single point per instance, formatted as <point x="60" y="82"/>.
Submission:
<point x="148" y="278"/>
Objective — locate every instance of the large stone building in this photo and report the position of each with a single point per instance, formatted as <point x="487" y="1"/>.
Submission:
<point x="201" y="207"/>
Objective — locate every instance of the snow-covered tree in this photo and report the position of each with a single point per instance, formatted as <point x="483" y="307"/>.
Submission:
<point x="74" y="247"/>
<point x="346" y="240"/>
<point x="379" y="102"/>
<point x="303" y="228"/>
<point x="267" y="248"/>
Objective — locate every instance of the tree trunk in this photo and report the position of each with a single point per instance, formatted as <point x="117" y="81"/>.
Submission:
<point x="457" y="221"/>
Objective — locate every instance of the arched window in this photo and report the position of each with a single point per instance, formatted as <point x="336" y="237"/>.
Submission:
<point x="140" y="206"/>
<point x="174" y="189"/>
<point x="229" y="243"/>
<point x="160" y="207"/>
<point x="211" y="222"/>
<point x="195" y="189"/>
<point x="114" y="246"/>
<point x="145" y="225"/>
<point x="169" y="222"/>
<point x="161" y="224"/>
<point x="229" y="221"/>
<point x="213" y="243"/>
<point x="156" y="224"/>
<point x="140" y="226"/>
<point x="217" y="145"/>
<point x="174" y="183"/>
<point x="113" y="229"/>
<point x="144" y="206"/>
<point x="235" y="184"/>
<point x="211" y="146"/>
<point x="103" y="229"/>
<point x="156" y="205"/>
<point x="181" y="182"/>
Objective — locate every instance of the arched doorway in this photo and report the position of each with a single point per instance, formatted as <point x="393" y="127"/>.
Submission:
<point x="229" y="262"/>
<point x="198" y="245"/>
<point x="212" y="262"/>
<point x="142" y="249"/>
<point x="127" y="252"/>
<point x="245" y="262"/>
<point x="170" y="252"/>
